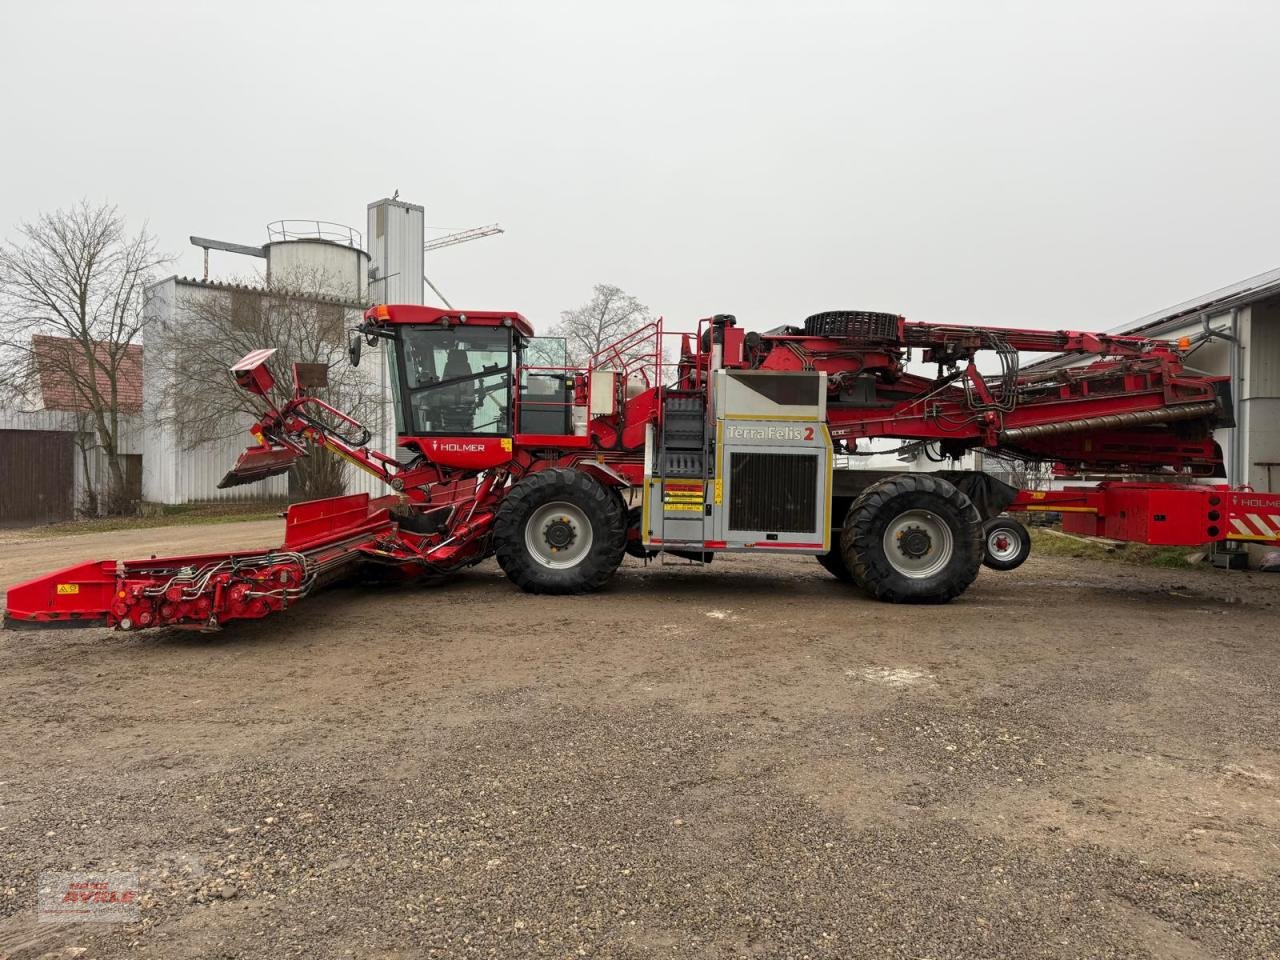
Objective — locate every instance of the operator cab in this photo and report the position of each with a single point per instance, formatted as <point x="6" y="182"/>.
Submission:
<point x="453" y="373"/>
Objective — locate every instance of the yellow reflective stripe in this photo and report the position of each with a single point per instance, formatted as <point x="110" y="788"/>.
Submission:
<point x="829" y="450"/>
<point x="719" y="461"/>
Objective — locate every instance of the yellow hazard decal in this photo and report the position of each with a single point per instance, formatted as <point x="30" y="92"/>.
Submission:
<point x="506" y="444"/>
<point x="67" y="589"/>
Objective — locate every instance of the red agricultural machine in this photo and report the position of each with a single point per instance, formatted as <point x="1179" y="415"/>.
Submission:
<point x="690" y="444"/>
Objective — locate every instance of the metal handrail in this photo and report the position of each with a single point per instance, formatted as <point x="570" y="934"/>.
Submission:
<point x="639" y="352"/>
<point x="315" y="230"/>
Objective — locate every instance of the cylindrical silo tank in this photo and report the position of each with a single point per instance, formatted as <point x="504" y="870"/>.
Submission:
<point x="324" y="258"/>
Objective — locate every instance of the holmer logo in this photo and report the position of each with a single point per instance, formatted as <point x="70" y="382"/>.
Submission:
<point x="1255" y="502"/>
<point x="780" y="431"/>
<point x="455" y="447"/>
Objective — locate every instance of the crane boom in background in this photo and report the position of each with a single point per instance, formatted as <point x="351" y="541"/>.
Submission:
<point x="452" y="239"/>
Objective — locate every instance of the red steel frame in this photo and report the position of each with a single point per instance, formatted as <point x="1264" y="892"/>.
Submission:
<point x="1161" y="514"/>
<point x="1133" y="408"/>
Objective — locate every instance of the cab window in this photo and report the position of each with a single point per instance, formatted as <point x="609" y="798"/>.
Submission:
<point x="456" y="381"/>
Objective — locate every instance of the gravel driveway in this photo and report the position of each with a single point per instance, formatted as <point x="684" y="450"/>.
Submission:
<point x="1078" y="759"/>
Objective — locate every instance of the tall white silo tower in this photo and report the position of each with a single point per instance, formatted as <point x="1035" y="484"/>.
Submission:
<point x="396" y="265"/>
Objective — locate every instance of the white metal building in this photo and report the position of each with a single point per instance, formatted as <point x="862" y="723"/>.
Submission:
<point x="176" y="472"/>
<point x="40" y="443"/>
<point x="50" y="451"/>
<point x="49" y="458"/>
<point x="390" y="271"/>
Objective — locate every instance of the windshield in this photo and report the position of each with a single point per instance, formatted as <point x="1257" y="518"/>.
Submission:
<point x="457" y="380"/>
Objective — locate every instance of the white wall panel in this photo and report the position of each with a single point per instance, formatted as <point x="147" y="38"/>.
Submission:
<point x="174" y="473"/>
<point x="395" y="250"/>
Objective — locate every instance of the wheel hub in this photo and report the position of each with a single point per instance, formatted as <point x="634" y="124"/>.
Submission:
<point x="918" y="543"/>
<point x="559" y="533"/>
<point x="1003" y="544"/>
<point x="915" y="542"/>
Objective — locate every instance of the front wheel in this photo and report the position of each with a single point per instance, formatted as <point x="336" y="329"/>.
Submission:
<point x="913" y="538"/>
<point x="1006" y="544"/>
<point x="560" y="531"/>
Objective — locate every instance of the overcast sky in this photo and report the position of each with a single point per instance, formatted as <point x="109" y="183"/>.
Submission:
<point x="1068" y="164"/>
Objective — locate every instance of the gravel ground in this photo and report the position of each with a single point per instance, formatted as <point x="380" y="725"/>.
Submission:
<point x="1077" y="759"/>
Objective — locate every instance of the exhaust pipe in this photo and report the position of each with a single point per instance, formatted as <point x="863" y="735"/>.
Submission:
<point x="1187" y="411"/>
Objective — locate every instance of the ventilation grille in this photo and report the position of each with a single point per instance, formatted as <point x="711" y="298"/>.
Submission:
<point x="773" y="492"/>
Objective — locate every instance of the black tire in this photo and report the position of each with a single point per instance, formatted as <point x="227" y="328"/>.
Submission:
<point x="635" y="545"/>
<point x="935" y="528"/>
<point x="861" y="324"/>
<point x="1006" y="544"/>
<point x="579" y="510"/>
<point x="833" y="562"/>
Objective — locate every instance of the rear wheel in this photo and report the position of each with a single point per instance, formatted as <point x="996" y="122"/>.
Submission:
<point x="913" y="538"/>
<point x="1005" y="544"/>
<point x="560" y="531"/>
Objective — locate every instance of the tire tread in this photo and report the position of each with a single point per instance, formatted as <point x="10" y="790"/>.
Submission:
<point x="863" y="551"/>
<point x="602" y="506"/>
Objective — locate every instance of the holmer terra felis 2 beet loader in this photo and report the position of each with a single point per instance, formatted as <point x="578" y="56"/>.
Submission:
<point x="728" y="444"/>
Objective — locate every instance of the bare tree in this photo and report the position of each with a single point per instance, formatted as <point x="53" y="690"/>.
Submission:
<point x="607" y="317"/>
<point x="73" y="290"/>
<point x="213" y="328"/>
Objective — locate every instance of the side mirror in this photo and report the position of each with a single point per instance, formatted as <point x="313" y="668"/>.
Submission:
<point x="353" y="349"/>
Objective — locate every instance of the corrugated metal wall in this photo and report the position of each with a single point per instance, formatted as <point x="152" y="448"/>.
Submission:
<point x="395" y="251"/>
<point x="344" y="270"/>
<point x="1262" y="398"/>
<point x="175" y="473"/>
<point x="1214" y="357"/>
<point x="129" y="442"/>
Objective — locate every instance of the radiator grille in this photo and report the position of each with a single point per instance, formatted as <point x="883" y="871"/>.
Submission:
<point x="773" y="492"/>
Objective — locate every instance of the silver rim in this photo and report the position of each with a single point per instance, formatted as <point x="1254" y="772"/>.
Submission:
<point x="558" y="535"/>
<point x="1003" y="543"/>
<point x="918" y="543"/>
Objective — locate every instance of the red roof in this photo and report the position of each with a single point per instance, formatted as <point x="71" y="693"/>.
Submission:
<point x="54" y="356"/>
